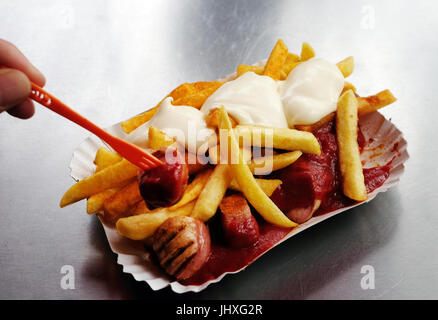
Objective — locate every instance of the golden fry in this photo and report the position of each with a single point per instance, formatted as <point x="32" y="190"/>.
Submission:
<point x="131" y="124"/>
<point x="198" y="98"/>
<point x="213" y="193"/>
<point x="213" y="118"/>
<point x="189" y="90"/>
<point x="207" y="85"/>
<point x="276" y="60"/>
<point x="268" y="185"/>
<point x="243" y="68"/>
<point x="252" y="191"/>
<point x="375" y="102"/>
<point x="142" y="226"/>
<point x="95" y="202"/>
<point x="292" y="60"/>
<point x="193" y="189"/>
<point x="346" y="66"/>
<point x="276" y="162"/>
<point x="142" y="208"/>
<point x="183" y="90"/>
<point x="348" y="86"/>
<point x="107" y="178"/>
<point x="282" y="138"/>
<point x="307" y="52"/>
<point x="353" y="182"/>
<point x="316" y="125"/>
<point x="119" y="204"/>
<point x="157" y="139"/>
<point x="105" y="158"/>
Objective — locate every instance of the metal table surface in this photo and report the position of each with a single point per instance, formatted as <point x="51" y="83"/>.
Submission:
<point x="113" y="59"/>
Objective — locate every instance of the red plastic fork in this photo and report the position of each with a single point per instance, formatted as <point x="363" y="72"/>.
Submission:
<point x="129" y="151"/>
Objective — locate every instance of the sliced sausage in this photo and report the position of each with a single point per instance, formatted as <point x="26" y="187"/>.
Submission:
<point x="163" y="186"/>
<point x="182" y="245"/>
<point x="240" y="227"/>
<point x="305" y="184"/>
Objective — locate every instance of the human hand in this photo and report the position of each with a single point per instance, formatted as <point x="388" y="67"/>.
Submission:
<point x="14" y="81"/>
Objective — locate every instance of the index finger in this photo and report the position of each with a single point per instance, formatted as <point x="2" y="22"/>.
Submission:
<point x="11" y="57"/>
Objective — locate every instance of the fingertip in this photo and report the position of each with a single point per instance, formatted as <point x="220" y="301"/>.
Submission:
<point x="12" y="57"/>
<point x="37" y="77"/>
<point x="24" y="110"/>
<point x="14" y="87"/>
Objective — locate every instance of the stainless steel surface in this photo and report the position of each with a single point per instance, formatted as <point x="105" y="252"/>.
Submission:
<point x="112" y="59"/>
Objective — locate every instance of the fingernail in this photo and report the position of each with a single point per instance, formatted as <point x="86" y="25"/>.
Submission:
<point x="14" y="87"/>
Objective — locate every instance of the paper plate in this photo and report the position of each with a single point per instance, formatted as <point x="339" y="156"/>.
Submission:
<point x="387" y="144"/>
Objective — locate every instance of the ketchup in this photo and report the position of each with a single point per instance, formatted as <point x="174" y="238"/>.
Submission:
<point x="310" y="177"/>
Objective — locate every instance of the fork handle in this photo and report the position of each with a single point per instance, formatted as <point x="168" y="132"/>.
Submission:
<point x="49" y="101"/>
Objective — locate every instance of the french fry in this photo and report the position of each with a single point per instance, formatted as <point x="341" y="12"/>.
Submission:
<point x="316" y="125"/>
<point x="348" y="86"/>
<point x="142" y="226"/>
<point x="292" y="60"/>
<point x="216" y="157"/>
<point x="183" y="90"/>
<point x="365" y="105"/>
<point x="207" y="85"/>
<point x="95" y="202"/>
<point x="307" y="52"/>
<point x="193" y="189"/>
<point x="142" y="208"/>
<point x="243" y="68"/>
<point x="284" y="74"/>
<point x="276" y="60"/>
<point x="119" y="204"/>
<point x="346" y="66"/>
<point x="211" y="196"/>
<point x="353" y="184"/>
<point x="198" y="98"/>
<point x="105" y="158"/>
<point x="131" y="124"/>
<point x="276" y="162"/>
<point x="214" y="153"/>
<point x="157" y="139"/>
<point x="252" y="191"/>
<point x="268" y="185"/>
<point x="375" y="102"/>
<point x="213" y="118"/>
<point x="282" y="138"/>
<point x="107" y="178"/>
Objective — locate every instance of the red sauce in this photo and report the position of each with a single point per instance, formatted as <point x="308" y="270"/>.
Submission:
<point x="311" y="177"/>
<point x="223" y="258"/>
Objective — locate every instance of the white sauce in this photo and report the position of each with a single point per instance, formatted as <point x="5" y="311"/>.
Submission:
<point x="185" y="123"/>
<point x="311" y="91"/>
<point x="249" y="99"/>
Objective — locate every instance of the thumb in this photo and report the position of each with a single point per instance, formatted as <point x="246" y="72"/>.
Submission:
<point x="14" y="88"/>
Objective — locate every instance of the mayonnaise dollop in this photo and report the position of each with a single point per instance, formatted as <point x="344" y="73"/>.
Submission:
<point x="311" y="91"/>
<point x="249" y="99"/>
<point x="185" y="123"/>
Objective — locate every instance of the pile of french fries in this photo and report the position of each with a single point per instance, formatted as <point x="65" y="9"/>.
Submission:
<point x="113" y="192"/>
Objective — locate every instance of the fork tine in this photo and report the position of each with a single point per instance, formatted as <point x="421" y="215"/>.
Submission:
<point x="152" y="160"/>
<point x="146" y="162"/>
<point x="144" y="166"/>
